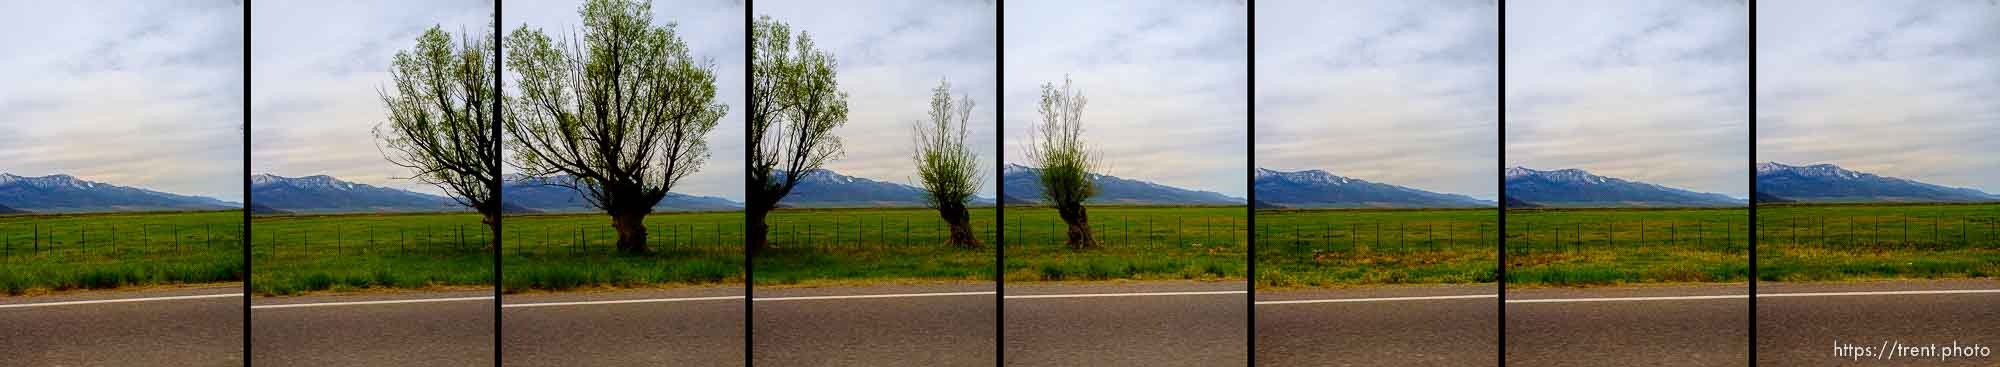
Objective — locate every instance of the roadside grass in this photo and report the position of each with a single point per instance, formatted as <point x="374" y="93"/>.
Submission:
<point x="59" y="252"/>
<point x="554" y="252"/>
<point x="1352" y="247"/>
<point x="1137" y="243"/>
<point x="1836" y="242"/>
<point x="1585" y="247"/>
<point x="310" y="253"/>
<point x="865" y="245"/>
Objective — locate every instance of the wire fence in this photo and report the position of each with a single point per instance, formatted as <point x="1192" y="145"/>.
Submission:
<point x="546" y="239"/>
<point x="1379" y="236"/>
<point x="1901" y="231"/>
<point x="1580" y="237"/>
<point x="1144" y="232"/>
<point x="279" y="242"/>
<point x="868" y="232"/>
<point x="116" y="241"/>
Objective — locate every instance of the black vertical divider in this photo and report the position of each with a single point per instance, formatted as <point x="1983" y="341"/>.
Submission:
<point x="1500" y="180"/>
<point x="246" y="185"/>
<point x="999" y="188"/>
<point x="1752" y="226"/>
<point x="1250" y="178"/>
<point x="499" y="221"/>
<point x="749" y="88"/>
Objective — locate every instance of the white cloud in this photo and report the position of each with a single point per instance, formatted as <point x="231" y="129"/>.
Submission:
<point x="1897" y="88"/>
<point x="1401" y="92"/>
<point x="143" y="94"/>
<point x="1167" y="84"/>
<point x="1654" y="91"/>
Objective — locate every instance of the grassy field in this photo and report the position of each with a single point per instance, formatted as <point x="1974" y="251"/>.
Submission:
<point x="1137" y="243"/>
<point x="98" y="251"/>
<point x="1338" y="247"/>
<point x="569" y="251"/>
<point x="305" y="253"/>
<point x="1884" y="241"/>
<point x="810" y="246"/>
<point x="1568" y="247"/>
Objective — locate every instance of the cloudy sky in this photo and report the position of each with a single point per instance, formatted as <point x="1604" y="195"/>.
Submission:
<point x="316" y="68"/>
<point x="1900" y="88"/>
<point x="713" y="30"/>
<point x="1401" y="92"/>
<point x="1654" y="91"/>
<point x="134" y="93"/>
<point x="1167" y="83"/>
<point x="891" y="54"/>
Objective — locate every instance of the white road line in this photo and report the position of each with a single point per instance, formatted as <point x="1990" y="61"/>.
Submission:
<point x="1384" y="299"/>
<point x="1090" y="295"/>
<point x="904" y="295"/>
<point x="1624" y="299"/>
<point x="651" y="300"/>
<point x="121" y="300"/>
<point x="330" y="304"/>
<point x="1880" y="293"/>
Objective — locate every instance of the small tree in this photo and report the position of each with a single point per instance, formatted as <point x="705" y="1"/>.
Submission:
<point x="795" y="103"/>
<point x="441" y="119"/>
<point x="624" y="112"/>
<point x="949" y="169"/>
<point x="1067" y="163"/>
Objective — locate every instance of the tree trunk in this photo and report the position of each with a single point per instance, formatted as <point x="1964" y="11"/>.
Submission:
<point x="631" y="228"/>
<point x="960" y="221"/>
<point x="755" y="235"/>
<point x="492" y="222"/>
<point x="1079" y="226"/>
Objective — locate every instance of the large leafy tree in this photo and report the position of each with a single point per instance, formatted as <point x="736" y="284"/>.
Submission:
<point x="623" y="112"/>
<point x="949" y="170"/>
<point x="441" y="118"/>
<point x="1066" y="161"/>
<point x="795" y="103"/>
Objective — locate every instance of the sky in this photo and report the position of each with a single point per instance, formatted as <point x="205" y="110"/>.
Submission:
<point x="132" y="93"/>
<point x="1653" y="91"/>
<point x="1398" y="92"/>
<point x="714" y="31"/>
<point x="1906" y="89"/>
<point x="890" y="54"/>
<point x="316" y="68"/>
<point x="1167" y="83"/>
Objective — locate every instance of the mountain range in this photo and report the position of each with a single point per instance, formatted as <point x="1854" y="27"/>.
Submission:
<point x="1577" y="188"/>
<point x="325" y="194"/>
<point x="68" y="194"/>
<point x="1024" y="186"/>
<point x="1830" y="183"/>
<point x="829" y="189"/>
<point x="529" y="194"/>
<point x="1319" y="189"/>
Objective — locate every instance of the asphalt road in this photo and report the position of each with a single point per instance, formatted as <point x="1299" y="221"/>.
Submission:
<point x="1668" y="332"/>
<point x="432" y="334"/>
<point x="1164" y="330"/>
<point x="1373" y="327"/>
<point x="1802" y="331"/>
<point x="697" y="329"/>
<point x="933" y="330"/>
<point x="185" y="332"/>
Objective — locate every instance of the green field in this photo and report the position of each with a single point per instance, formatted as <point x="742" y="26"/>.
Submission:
<point x="569" y="251"/>
<point x="810" y="246"/>
<point x="1340" y="247"/>
<point x="1883" y="241"/>
<point x="98" y="251"/>
<point x="1569" y="247"/>
<point x="1136" y="243"/>
<point x="306" y="253"/>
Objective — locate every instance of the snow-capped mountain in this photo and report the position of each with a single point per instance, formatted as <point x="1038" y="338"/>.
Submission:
<point x="1319" y="189"/>
<point x="1578" y="188"/>
<point x="1023" y="185"/>
<point x="528" y="194"/>
<point x="829" y="189"/>
<point x="68" y="194"/>
<point x="325" y="194"/>
<point x="1830" y="183"/>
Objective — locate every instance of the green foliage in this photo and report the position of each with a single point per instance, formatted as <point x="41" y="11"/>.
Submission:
<point x="795" y="103"/>
<point x="442" y="116"/>
<point x="1058" y="148"/>
<point x="949" y="169"/>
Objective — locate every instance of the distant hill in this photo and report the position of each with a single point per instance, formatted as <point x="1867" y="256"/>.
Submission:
<point x="1577" y="188"/>
<point x="1319" y="189"/>
<point x="1260" y="204"/>
<point x="325" y="194"/>
<point x="1024" y="184"/>
<point x="829" y="189"/>
<point x="1513" y="202"/>
<point x="6" y="210"/>
<point x="261" y="209"/>
<point x="534" y="195"/>
<point x="68" y="194"/>
<point x="1766" y="198"/>
<point x="1830" y="183"/>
